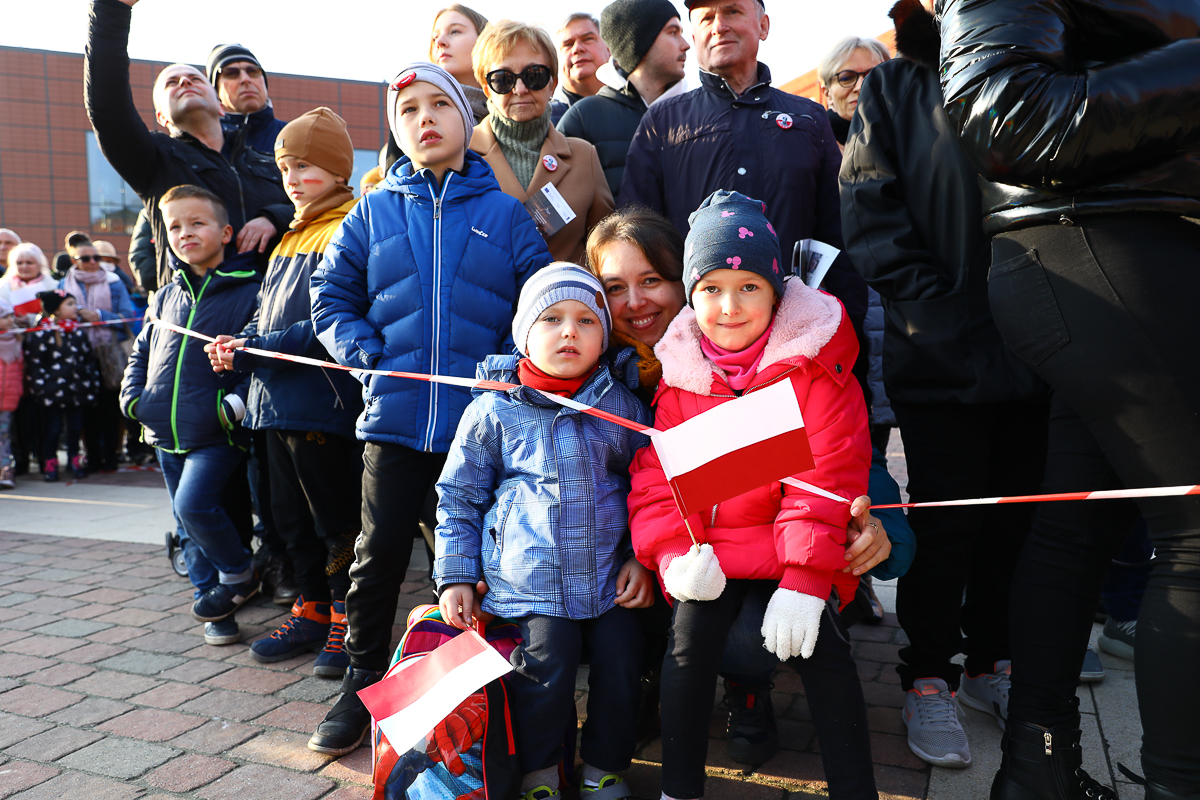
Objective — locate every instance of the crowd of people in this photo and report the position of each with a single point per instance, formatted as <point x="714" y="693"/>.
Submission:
<point x="1016" y="215"/>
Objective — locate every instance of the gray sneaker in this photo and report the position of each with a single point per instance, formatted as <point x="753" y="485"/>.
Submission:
<point x="988" y="692"/>
<point x="1117" y="638"/>
<point x="1092" y="670"/>
<point x="934" y="732"/>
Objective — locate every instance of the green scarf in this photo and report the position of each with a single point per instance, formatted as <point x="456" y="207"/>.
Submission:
<point x="521" y="142"/>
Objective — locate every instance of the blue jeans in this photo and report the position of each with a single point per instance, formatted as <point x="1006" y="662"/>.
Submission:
<point x="211" y="545"/>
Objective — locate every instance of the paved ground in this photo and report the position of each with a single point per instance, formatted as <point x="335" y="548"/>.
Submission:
<point x="107" y="689"/>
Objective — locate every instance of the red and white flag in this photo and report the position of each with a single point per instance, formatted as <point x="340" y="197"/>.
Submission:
<point x="408" y="703"/>
<point x="734" y="448"/>
<point x="25" y="300"/>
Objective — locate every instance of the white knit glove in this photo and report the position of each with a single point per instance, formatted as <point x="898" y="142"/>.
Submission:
<point x="791" y="623"/>
<point x="695" y="575"/>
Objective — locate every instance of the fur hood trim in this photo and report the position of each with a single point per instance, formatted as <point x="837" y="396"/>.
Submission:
<point x="804" y="323"/>
<point x="917" y="36"/>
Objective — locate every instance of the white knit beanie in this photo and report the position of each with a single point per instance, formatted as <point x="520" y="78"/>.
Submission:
<point x="552" y="284"/>
<point x="430" y="73"/>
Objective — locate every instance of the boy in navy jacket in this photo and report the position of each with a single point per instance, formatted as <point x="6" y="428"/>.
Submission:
<point x="190" y="413"/>
<point x="422" y="276"/>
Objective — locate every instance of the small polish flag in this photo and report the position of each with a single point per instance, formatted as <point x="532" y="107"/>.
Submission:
<point x="734" y="448"/>
<point x="25" y="301"/>
<point x="408" y="703"/>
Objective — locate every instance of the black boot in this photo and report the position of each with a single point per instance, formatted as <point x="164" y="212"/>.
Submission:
<point x="1155" y="791"/>
<point x="1044" y="764"/>
<point x="347" y="722"/>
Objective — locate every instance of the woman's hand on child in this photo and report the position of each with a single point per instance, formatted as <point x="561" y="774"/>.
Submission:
<point x="255" y="235"/>
<point x="791" y="624"/>
<point x="867" y="543"/>
<point x="458" y="604"/>
<point x="220" y="352"/>
<point x="635" y="586"/>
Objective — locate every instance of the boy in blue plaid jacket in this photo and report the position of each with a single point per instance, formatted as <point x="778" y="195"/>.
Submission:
<point x="533" y="503"/>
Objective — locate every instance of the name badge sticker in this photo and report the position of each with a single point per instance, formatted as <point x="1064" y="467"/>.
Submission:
<point x="549" y="210"/>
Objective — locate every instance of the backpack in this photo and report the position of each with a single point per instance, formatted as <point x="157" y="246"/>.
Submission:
<point x="471" y="754"/>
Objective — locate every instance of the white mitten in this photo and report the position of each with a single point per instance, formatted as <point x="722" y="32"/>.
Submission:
<point x="791" y="623"/>
<point x="695" y="575"/>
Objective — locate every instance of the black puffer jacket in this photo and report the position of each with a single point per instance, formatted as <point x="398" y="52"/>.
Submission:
<point x="608" y="120"/>
<point x="910" y="218"/>
<point x="247" y="181"/>
<point x="1076" y="107"/>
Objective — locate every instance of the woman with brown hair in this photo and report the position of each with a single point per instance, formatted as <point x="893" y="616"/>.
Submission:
<point x="455" y="31"/>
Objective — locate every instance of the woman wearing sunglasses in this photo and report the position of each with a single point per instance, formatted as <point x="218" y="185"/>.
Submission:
<point x="101" y="296"/>
<point x="516" y="64"/>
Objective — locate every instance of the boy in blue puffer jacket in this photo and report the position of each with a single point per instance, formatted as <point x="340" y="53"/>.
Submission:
<point x="533" y="502"/>
<point x="191" y="413"/>
<point x="422" y="276"/>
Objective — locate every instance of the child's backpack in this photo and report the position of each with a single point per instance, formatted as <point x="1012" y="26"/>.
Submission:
<point x="471" y="754"/>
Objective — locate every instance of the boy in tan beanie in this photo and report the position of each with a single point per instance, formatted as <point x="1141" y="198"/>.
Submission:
<point x="314" y="459"/>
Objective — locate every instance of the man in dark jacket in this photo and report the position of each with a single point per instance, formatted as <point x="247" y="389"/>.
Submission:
<point x="736" y="132"/>
<point x="972" y="415"/>
<point x="647" y="43"/>
<point x="195" y="151"/>
<point x="241" y="85"/>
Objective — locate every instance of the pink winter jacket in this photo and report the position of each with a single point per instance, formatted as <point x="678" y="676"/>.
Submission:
<point x="11" y="377"/>
<point x="774" y="532"/>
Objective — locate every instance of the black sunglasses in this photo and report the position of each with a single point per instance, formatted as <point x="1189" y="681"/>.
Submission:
<point x="848" y="77"/>
<point x="236" y="72"/>
<point x="87" y="259"/>
<point x="535" y="77"/>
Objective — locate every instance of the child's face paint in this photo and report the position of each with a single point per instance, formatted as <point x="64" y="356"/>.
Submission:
<point x="429" y="128"/>
<point x="67" y="309"/>
<point x="566" y="341"/>
<point x="303" y="181"/>
<point x="733" y="307"/>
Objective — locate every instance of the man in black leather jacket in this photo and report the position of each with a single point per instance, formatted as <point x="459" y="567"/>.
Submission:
<point x="195" y="151"/>
<point x="1083" y="116"/>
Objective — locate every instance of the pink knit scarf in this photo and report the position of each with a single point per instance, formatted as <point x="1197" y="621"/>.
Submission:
<point x="97" y="298"/>
<point x="739" y="366"/>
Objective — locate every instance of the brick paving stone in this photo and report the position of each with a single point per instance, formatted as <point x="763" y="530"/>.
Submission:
<point x="52" y="744"/>
<point x="296" y="716"/>
<point x="226" y="704"/>
<point x="259" y="614"/>
<point x="15" y="729"/>
<point x="266" y="783"/>
<point x="8" y="637"/>
<point x="91" y="653"/>
<point x="140" y="662"/>
<point x="24" y="621"/>
<point x="153" y="602"/>
<point x="94" y="578"/>
<point x="871" y="633"/>
<point x="893" y="751"/>
<point x="117" y="635"/>
<point x="60" y="674"/>
<point x="314" y="690"/>
<point x="164" y="642"/>
<point x="152" y="724"/>
<point x="256" y="681"/>
<point x="354" y="767"/>
<point x="31" y="586"/>
<point x="18" y="775"/>
<point x="188" y="772"/>
<point x="176" y="623"/>
<point x="133" y="617"/>
<point x="16" y="599"/>
<point x="36" y="701"/>
<point x="350" y="793"/>
<point x="111" y="596"/>
<point x="59" y="574"/>
<point x="118" y="758"/>
<point x="874" y="651"/>
<point x="194" y="671"/>
<point x="130" y="583"/>
<point x="282" y="749"/>
<point x="90" y="711"/>
<point x="114" y="685"/>
<point x="901" y="784"/>
<point x="88" y="611"/>
<point x="169" y="695"/>
<point x="301" y="662"/>
<point x="886" y="720"/>
<point x="48" y="605"/>
<point x="216" y="736"/>
<point x="794" y="735"/>
<point x="882" y="694"/>
<point x="14" y="665"/>
<point x="77" y="628"/>
<point x="156" y="572"/>
<point x="43" y="645"/>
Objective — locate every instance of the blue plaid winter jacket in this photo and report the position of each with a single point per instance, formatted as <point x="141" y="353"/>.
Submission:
<point x="533" y="495"/>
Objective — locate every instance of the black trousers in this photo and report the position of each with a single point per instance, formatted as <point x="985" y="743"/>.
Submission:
<point x="956" y="452"/>
<point x="315" y="487"/>
<point x="27" y="432"/>
<point x="395" y="481"/>
<point x="689" y="676"/>
<point x="542" y="689"/>
<point x="52" y="425"/>
<point x="102" y="431"/>
<point x="1104" y="310"/>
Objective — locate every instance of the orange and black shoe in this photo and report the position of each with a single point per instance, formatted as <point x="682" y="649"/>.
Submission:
<point x="333" y="660"/>
<point x="306" y="629"/>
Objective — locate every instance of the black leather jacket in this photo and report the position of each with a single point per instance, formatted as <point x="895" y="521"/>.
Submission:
<point x="1075" y="107"/>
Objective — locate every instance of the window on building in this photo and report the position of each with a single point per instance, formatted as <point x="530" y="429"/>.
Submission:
<point x="364" y="162"/>
<point x="113" y="204"/>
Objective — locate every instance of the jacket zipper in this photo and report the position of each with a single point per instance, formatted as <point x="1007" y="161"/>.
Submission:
<point x="437" y="304"/>
<point x="179" y="361"/>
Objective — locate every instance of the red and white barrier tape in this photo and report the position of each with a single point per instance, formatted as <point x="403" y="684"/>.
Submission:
<point x="51" y="326"/>
<point x="469" y="383"/>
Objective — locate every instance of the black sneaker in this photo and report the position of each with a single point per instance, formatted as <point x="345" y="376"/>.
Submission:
<point x="348" y="721"/>
<point x="751" y="736"/>
<point x="223" y="599"/>
<point x="223" y="631"/>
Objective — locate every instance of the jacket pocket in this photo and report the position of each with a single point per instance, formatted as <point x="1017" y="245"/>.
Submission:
<point x="1024" y="307"/>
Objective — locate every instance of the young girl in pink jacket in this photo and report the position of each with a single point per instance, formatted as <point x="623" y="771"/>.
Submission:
<point x="11" y="375"/>
<point x="745" y="330"/>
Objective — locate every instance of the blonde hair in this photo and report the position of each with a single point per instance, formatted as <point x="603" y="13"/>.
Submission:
<point x="478" y="21"/>
<point x="500" y="38"/>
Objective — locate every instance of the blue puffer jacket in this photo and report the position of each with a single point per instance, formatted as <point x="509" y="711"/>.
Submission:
<point x="424" y="279"/>
<point x="533" y="495"/>
<point x="169" y="385"/>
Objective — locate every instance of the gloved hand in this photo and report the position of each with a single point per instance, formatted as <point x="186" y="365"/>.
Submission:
<point x="457" y="732"/>
<point x="791" y="623"/>
<point x="695" y="575"/>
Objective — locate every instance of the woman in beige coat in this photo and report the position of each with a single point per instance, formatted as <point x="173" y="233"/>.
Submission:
<point x="516" y="64"/>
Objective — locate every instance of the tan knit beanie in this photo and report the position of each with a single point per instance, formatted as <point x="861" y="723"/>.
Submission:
<point x="320" y="138"/>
